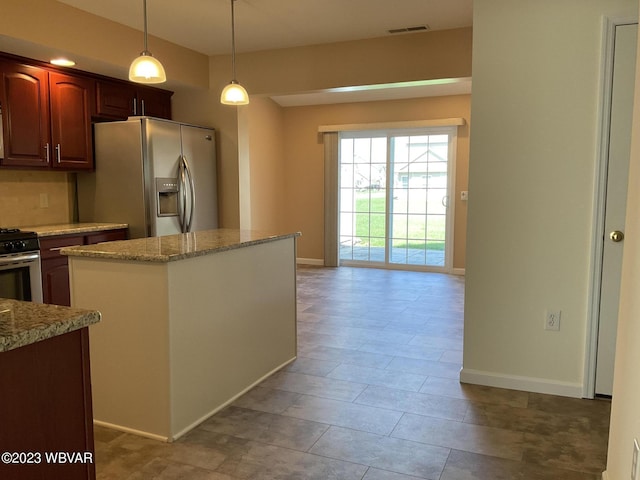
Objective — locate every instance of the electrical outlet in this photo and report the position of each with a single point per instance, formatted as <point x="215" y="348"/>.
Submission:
<point x="634" y="460"/>
<point x="552" y="320"/>
<point x="44" y="200"/>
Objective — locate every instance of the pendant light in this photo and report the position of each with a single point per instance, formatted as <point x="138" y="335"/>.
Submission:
<point x="145" y="68"/>
<point x="234" y="93"/>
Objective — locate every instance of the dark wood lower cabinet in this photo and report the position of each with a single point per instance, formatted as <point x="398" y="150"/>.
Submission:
<point x="46" y="412"/>
<point x="55" y="281"/>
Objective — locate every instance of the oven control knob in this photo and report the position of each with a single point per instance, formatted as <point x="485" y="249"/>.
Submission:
<point x="14" y="246"/>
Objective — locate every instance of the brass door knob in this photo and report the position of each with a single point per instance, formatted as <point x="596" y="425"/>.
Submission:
<point x="616" y="236"/>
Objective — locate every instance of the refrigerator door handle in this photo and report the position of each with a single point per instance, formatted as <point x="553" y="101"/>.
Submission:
<point x="192" y="188"/>
<point x="182" y="191"/>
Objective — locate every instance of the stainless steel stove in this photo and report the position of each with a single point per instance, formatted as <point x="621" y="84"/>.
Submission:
<point x="20" y="273"/>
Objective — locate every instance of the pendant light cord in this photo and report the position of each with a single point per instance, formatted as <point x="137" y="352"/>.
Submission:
<point x="144" y="14"/>
<point x="233" y="42"/>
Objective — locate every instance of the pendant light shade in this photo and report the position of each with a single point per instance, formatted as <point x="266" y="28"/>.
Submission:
<point x="234" y="93"/>
<point x="146" y="68"/>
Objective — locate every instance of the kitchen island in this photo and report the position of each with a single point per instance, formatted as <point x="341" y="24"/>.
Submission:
<point x="189" y="323"/>
<point x="45" y="405"/>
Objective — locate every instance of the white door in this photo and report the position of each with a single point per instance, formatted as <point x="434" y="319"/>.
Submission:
<point x="615" y="204"/>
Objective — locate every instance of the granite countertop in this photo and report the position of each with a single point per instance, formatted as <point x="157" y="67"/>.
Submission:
<point x="24" y="323"/>
<point x="175" y="247"/>
<point x="72" y="228"/>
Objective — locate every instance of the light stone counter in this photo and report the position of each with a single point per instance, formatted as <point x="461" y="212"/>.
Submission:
<point x="72" y="228"/>
<point x="175" y="247"/>
<point x="24" y="323"/>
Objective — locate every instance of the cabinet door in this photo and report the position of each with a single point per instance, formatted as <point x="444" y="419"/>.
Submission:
<point x="115" y="100"/>
<point x="153" y="102"/>
<point x="55" y="269"/>
<point x="55" y="280"/>
<point x="24" y="95"/>
<point x="71" y="110"/>
<point x="46" y="406"/>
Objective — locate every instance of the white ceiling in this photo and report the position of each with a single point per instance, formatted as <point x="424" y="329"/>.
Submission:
<point x="205" y="25"/>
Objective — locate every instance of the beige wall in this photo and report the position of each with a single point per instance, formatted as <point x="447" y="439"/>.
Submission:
<point x="266" y="164"/>
<point x="20" y="198"/>
<point x="444" y="54"/>
<point x="305" y="168"/>
<point x="536" y="93"/>
<point x="97" y="44"/>
<point x="438" y="54"/>
<point x="30" y="27"/>
<point x="625" y="417"/>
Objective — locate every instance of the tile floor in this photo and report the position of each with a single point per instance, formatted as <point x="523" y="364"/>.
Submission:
<point x="374" y="395"/>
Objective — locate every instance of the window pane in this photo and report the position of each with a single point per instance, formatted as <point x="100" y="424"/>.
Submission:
<point x="436" y="227"/>
<point x="436" y="201"/>
<point x="362" y="150"/>
<point x="346" y="175"/>
<point x="346" y="151"/>
<point x="417" y="201"/>
<point x="416" y="227"/>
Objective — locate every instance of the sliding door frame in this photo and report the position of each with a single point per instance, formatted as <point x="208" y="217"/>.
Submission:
<point x="332" y="194"/>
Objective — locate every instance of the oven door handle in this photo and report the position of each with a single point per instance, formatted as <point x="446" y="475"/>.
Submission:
<point x="18" y="258"/>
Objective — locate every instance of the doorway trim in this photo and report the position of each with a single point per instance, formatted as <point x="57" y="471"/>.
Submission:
<point x="600" y="192"/>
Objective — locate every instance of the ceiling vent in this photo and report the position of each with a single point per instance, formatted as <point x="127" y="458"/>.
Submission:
<point x="417" y="28"/>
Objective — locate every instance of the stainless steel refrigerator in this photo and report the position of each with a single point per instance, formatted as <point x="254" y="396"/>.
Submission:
<point x="156" y="175"/>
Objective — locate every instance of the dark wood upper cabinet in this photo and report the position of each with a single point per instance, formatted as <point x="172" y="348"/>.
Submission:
<point x="72" y="105"/>
<point x="24" y="97"/>
<point x="120" y="100"/>
<point x="115" y="100"/>
<point x="46" y="118"/>
<point x="153" y="102"/>
<point x="47" y="112"/>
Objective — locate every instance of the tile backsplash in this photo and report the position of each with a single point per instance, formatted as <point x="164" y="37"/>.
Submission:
<point x="36" y="198"/>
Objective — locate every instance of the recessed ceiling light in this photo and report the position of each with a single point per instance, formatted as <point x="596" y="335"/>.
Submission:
<point x="62" y="62"/>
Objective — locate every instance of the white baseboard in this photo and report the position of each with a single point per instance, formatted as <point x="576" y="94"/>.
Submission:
<point x="526" y="384"/>
<point x="458" y="271"/>
<point x="133" y="431"/>
<point x="605" y="476"/>
<point x="310" y="261"/>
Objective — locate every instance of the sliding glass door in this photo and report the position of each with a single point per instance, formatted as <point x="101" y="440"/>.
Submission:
<point x="394" y="204"/>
